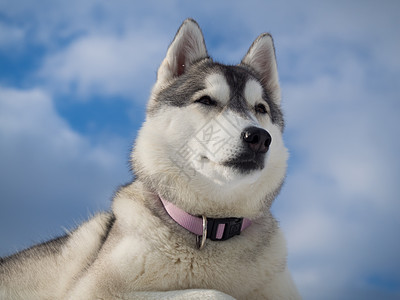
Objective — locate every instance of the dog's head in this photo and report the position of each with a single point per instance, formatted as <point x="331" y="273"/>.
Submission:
<point x="212" y="141"/>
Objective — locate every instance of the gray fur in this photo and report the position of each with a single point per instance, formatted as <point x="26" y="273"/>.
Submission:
<point x="178" y="93"/>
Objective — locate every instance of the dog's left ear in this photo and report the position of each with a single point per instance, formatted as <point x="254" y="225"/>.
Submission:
<point x="261" y="58"/>
<point x="187" y="47"/>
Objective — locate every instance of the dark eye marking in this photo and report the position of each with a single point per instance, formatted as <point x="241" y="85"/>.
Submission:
<point x="206" y="100"/>
<point x="260" y="108"/>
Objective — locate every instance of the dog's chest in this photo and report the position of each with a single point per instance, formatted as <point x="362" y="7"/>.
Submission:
<point x="228" y="270"/>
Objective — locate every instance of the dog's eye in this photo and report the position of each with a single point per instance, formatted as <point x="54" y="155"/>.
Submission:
<point x="206" y="100"/>
<point x="260" y="108"/>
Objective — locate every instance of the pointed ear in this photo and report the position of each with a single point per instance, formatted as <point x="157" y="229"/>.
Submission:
<point x="187" y="47"/>
<point x="261" y="58"/>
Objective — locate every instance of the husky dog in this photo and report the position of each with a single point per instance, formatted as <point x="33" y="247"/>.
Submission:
<point x="195" y="222"/>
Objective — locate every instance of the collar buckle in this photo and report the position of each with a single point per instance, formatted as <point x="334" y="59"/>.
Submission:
<point x="201" y="239"/>
<point x="224" y="228"/>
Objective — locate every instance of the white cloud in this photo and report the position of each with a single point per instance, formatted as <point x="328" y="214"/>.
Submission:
<point x="47" y="170"/>
<point x="55" y="22"/>
<point x="106" y="65"/>
<point x="340" y="204"/>
<point x="30" y="115"/>
<point x="336" y="115"/>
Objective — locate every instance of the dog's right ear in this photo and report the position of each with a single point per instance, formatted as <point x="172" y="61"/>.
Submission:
<point x="187" y="47"/>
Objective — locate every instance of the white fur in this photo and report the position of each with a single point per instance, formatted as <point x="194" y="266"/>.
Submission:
<point x="253" y="94"/>
<point x="165" y="262"/>
<point x="216" y="87"/>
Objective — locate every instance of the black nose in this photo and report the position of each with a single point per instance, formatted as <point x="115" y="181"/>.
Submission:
<point x="258" y="139"/>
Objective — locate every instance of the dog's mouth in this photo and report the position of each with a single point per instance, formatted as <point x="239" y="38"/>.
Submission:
<point x="242" y="163"/>
<point x="245" y="166"/>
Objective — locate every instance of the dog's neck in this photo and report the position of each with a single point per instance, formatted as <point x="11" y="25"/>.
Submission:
<point x="216" y="229"/>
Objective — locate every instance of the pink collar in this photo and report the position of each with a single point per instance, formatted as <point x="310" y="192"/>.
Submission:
<point x="216" y="229"/>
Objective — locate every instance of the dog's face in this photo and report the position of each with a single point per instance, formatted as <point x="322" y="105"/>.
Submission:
<point x="213" y="133"/>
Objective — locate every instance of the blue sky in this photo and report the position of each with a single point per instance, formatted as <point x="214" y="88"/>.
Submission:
<point x="74" y="81"/>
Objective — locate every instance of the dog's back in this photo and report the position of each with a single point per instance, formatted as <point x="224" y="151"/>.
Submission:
<point x="47" y="270"/>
